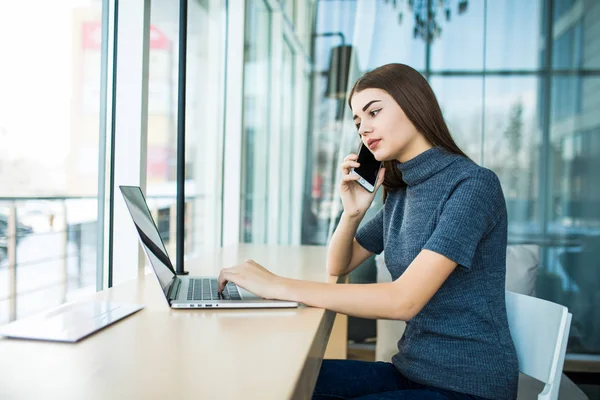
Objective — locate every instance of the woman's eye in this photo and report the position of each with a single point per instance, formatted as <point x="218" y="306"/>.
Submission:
<point x="357" y="126"/>
<point x="374" y="112"/>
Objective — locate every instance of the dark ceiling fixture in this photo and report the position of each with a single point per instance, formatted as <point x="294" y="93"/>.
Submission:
<point x="342" y="60"/>
<point x="426" y="13"/>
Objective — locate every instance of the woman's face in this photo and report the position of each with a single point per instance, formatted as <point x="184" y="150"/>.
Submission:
<point x="383" y="126"/>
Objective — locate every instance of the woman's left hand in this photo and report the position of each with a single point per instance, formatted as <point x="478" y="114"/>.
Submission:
<point x="254" y="278"/>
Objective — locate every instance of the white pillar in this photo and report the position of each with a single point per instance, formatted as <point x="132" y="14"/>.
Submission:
<point x="131" y="130"/>
<point x="274" y="173"/>
<point x="232" y="172"/>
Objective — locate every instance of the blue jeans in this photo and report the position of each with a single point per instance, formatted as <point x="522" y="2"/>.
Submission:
<point x="364" y="380"/>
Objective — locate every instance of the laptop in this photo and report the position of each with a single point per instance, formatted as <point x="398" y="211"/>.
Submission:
<point x="185" y="291"/>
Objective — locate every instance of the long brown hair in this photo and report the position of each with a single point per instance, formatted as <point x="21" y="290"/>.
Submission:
<point x="416" y="98"/>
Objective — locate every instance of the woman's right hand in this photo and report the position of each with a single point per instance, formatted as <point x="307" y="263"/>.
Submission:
<point x="356" y="199"/>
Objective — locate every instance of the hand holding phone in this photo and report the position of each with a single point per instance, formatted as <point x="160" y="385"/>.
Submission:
<point x="356" y="200"/>
<point x="368" y="169"/>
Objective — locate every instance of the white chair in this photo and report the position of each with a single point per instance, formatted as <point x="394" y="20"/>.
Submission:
<point x="540" y="330"/>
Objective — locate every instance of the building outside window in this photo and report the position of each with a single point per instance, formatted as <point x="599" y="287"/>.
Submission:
<point x="519" y="86"/>
<point x="50" y="80"/>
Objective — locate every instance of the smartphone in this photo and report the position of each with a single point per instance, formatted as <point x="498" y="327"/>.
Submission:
<point x="368" y="170"/>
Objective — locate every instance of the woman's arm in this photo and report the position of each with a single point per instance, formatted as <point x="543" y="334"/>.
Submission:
<point x="345" y="253"/>
<point x="399" y="300"/>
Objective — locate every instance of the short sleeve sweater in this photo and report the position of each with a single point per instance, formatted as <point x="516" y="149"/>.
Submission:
<point x="460" y="340"/>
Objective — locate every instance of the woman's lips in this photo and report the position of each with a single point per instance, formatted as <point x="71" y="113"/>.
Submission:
<point x="373" y="144"/>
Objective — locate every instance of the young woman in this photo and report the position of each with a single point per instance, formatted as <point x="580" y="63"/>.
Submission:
<point x="443" y="228"/>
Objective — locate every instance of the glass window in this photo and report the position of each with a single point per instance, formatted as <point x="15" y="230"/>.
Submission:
<point x="305" y="24"/>
<point x="566" y="96"/>
<point x="289" y="7"/>
<point x="571" y="275"/>
<point x="336" y="20"/>
<point x="322" y="164"/>
<point x="561" y="7"/>
<point x="512" y="141"/>
<point x="288" y="133"/>
<point x="591" y="35"/>
<point x="203" y="124"/>
<point x="49" y="135"/>
<point x="161" y="172"/>
<point x="513" y="37"/>
<point x="486" y="63"/>
<point x="257" y="78"/>
<point x="394" y="40"/>
<point x="568" y="52"/>
<point x="463" y="116"/>
<point x="457" y="30"/>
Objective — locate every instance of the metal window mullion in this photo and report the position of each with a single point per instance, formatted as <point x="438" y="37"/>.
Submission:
<point x="309" y="130"/>
<point x="220" y="218"/>
<point x="428" y="43"/>
<point x="102" y="142"/>
<point x="181" y="96"/>
<point x="483" y="83"/>
<point x="516" y="72"/>
<point x="113" y="122"/>
<point x="547" y="104"/>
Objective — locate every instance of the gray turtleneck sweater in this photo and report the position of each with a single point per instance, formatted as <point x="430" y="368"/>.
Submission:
<point x="460" y="340"/>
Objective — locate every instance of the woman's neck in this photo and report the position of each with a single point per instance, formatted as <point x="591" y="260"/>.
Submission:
<point x="418" y="146"/>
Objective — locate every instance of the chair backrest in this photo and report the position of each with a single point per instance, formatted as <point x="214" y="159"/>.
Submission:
<point x="540" y="330"/>
<point x="522" y="261"/>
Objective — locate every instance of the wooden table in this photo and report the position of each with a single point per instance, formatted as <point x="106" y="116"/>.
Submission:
<point x="184" y="354"/>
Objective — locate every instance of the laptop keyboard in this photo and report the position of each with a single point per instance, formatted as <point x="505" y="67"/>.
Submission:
<point x="207" y="289"/>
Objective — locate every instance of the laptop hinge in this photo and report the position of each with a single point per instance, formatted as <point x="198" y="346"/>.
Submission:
<point x="174" y="288"/>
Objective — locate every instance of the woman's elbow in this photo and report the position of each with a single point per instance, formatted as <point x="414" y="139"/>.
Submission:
<point x="405" y="310"/>
<point x="335" y="270"/>
<point x="331" y="271"/>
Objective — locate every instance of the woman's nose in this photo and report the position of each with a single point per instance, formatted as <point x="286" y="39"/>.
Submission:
<point x="364" y="129"/>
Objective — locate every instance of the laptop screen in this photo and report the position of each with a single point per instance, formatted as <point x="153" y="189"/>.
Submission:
<point x="149" y="236"/>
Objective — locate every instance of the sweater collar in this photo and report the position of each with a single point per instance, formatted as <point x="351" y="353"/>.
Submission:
<point x="425" y="165"/>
